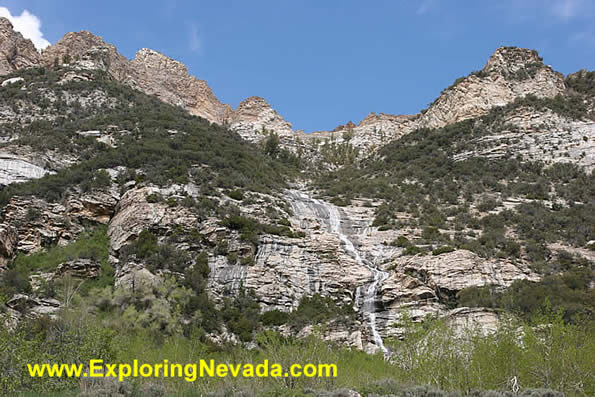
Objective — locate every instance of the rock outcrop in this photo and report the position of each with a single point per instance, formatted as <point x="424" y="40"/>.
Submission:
<point x="88" y="51"/>
<point x="8" y="243"/>
<point x="538" y="136"/>
<point x="33" y="307"/>
<point x="371" y="133"/>
<point x="22" y="163"/>
<point x="457" y="270"/>
<point x="13" y="80"/>
<point x="135" y="214"/>
<point x="285" y="270"/>
<point x="38" y="223"/>
<point x="16" y="168"/>
<point x="96" y="206"/>
<point x="254" y="117"/>
<point x="80" y="268"/>
<point x="16" y="52"/>
<point x="474" y="318"/>
<point x="29" y="224"/>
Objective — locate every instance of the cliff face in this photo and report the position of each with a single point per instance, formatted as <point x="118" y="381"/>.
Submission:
<point x="167" y="79"/>
<point x="16" y="52"/>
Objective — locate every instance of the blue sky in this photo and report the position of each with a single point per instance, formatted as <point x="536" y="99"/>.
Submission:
<point x="322" y="63"/>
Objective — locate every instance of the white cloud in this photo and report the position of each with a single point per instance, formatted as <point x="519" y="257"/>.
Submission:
<point x="194" y="41"/>
<point x="28" y="25"/>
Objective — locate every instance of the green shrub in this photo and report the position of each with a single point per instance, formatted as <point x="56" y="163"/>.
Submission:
<point x="250" y="228"/>
<point x="156" y="255"/>
<point x="236" y="194"/>
<point x="274" y="317"/>
<point x="101" y="179"/>
<point x="13" y="282"/>
<point x="172" y="202"/>
<point x="442" y="250"/>
<point x="241" y="314"/>
<point x="430" y="233"/>
<point x="271" y="145"/>
<point x="567" y="292"/>
<point x="318" y="310"/>
<point x="383" y="214"/>
<point x="488" y="205"/>
<point x="145" y="245"/>
<point x="412" y="250"/>
<point x="241" y="223"/>
<point x="168" y="257"/>
<point x="582" y="82"/>
<point x="154" y="198"/>
<point x="401" y="241"/>
<point x="32" y="214"/>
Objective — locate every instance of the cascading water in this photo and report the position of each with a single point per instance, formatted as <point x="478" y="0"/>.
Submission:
<point x="325" y="210"/>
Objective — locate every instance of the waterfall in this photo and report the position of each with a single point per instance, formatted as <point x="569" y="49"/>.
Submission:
<point x="321" y="209"/>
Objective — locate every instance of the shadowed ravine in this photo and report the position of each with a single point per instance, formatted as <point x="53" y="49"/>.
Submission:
<point x="332" y="218"/>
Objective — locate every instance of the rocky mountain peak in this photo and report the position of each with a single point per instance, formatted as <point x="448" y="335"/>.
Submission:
<point x="348" y="126"/>
<point x="509" y="60"/>
<point x="168" y="79"/>
<point x="510" y="73"/>
<point x="73" y="44"/>
<point x="87" y="50"/>
<point x="255" y="114"/>
<point x="252" y="107"/>
<point x="16" y="52"/>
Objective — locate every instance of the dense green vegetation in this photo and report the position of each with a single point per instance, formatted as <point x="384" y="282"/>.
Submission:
<point x="568" y="292"/>
<point x="542" y="353"/>
<point x="459" y="203"/>
<point x="582" y="82"/>
<point x="159" y="143"/>
<point x="251" y="228"/>
<point x="319" y="310"/>
<point x="570" y="106"/>
<point x="154" y="255"/>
